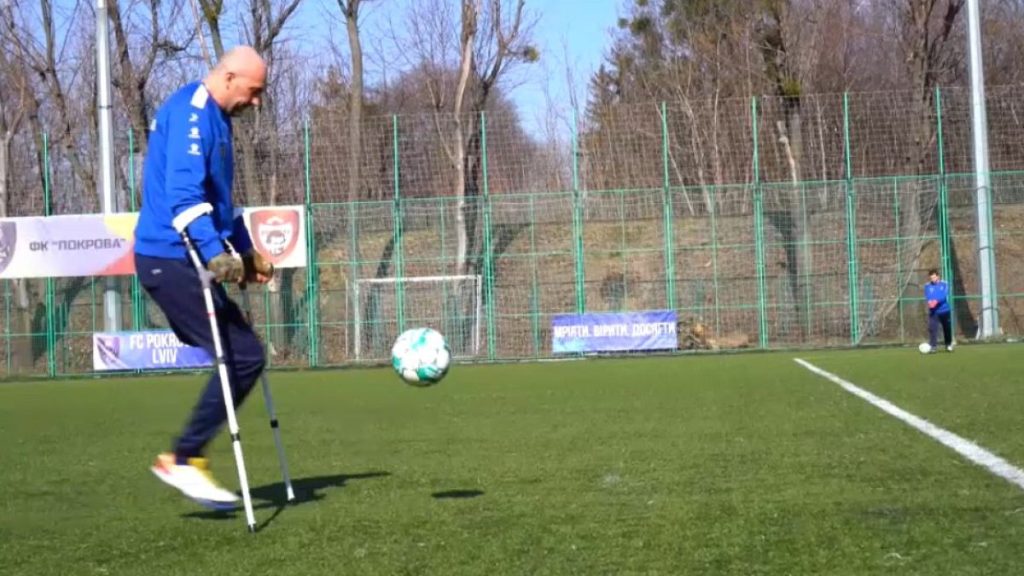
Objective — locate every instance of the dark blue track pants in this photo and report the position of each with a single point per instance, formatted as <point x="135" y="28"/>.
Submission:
<point x="175" y="287"/>
<point x="938" y="320"/>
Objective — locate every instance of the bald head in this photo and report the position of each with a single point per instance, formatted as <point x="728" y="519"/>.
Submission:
<point x="238" y="80"/>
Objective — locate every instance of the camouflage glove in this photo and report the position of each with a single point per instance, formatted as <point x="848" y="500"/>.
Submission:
<point x="257" y="268"/>
<point x="225" y="267"/>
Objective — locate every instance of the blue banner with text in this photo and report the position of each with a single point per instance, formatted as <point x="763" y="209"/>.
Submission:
<point x="614" y="332"/>
<point x="149" y="350"/>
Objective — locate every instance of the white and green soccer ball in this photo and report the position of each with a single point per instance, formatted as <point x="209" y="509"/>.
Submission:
<point x="924" y="348"/>
<point x="421" y="356"/>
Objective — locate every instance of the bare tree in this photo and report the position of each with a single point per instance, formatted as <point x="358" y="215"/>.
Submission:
<point x="136" y="64"/>
<point x="262" y="29"/>
<point x="928" y="28"/>
<point x="16" y="102"/>
<point x="470" y="10"/>
<point x="212" y="12"/>
<point x="350" y="10"/>
<point x="927" y="31"/>
<point x="12" y="111"/>
<point x="47" y="53"/>
<point x="257" y="146"/>
<point x="488" y="44"/>
<point x="47" y="56"/>
<point x="784" y="209"/>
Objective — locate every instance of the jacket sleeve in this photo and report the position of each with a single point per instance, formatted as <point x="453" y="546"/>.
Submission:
<point x="189" y="148"/>
<point x="240" y="237"/>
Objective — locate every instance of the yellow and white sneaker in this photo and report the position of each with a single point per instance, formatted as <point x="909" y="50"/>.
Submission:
<point x="194" y="480"/>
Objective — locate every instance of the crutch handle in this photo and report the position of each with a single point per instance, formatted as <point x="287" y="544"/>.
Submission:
<point x="206" y="277"/>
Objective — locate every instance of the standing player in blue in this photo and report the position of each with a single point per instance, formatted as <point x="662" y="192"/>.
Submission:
<point x="187" y="183"/>
<point x="936" y="294"/>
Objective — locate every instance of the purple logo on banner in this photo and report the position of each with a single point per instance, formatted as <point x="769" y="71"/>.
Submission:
<point x="8" y="243"/>
<point x="152" y="350"/>
<point x="614" y="332"/>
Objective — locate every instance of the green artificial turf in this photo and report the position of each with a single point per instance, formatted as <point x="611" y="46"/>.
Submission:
<point x="744" y="464"/>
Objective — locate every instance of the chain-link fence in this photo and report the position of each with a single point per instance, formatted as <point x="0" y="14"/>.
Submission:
<point x="764" y="223"/>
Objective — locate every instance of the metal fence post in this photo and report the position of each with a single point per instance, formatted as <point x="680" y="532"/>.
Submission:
<point x="312" y="290"/>
<point x="762" y="302"/>
<point x="668" y="210"/>
<point x="488" y="243"/>
<point x="851" y="228"/>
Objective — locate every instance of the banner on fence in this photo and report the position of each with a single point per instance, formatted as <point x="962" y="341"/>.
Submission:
<point x="614" y="332"/>
<point x="279" y="233"/>
<point x="101" y="244"/>
<point x="149" y="350"/>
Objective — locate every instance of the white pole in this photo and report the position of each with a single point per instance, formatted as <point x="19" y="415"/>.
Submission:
<point x="111" y="298"/>
<point x="989" y="325"/>
<point x="479" y="312"/>
<point x="355" y="314"/>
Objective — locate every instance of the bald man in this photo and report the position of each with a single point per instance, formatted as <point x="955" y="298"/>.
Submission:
<point x="187" y="183"/>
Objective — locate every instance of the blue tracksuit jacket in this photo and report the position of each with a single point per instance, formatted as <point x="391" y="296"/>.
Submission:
<point x="938" y="291"/>
<point x="189" y="163"/>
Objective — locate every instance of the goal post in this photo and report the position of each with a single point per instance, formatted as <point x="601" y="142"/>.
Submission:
<point x="383" y="307"/>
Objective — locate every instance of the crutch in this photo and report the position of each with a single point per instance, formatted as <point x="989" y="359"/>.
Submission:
<point x="267" y="397"/>
<point x="181" y="223"/>
<point x="268" y="400"/>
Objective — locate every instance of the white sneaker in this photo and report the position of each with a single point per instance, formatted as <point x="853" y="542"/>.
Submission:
<point x="949" y="348"/>
<point x="194" y="480"/>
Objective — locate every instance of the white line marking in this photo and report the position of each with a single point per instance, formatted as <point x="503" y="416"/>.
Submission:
<point x="962" y="446"/>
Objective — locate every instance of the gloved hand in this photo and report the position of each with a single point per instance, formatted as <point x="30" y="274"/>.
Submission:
<point x="257" y="268"/>
<point x="225" y="267"/>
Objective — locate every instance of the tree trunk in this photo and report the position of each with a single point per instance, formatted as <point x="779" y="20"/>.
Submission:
<point x="21" y="350"/>
<point x="355" y="125"/>
<point x="131" y="83"/>
<point x="469" y="16"/>
<point x="212" y="10"/>
<point x="924" y="46"/>
<point x="788" y="218"/>
<point x="799" y="277"/>
<point x="350" y="10"/>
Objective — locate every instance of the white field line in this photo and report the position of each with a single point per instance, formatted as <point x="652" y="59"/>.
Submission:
<point x="961" y="446"/>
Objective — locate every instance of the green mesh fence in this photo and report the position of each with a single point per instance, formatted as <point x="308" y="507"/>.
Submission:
<point x="762" y="225"/>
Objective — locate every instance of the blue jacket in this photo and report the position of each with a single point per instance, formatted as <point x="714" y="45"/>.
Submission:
<point x="189" y="163"/>
<point x="938" y="291"/>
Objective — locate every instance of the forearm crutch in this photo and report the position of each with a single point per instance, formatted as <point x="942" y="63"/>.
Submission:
<point x="269" y="401"/>
<point x="181" y="223"/>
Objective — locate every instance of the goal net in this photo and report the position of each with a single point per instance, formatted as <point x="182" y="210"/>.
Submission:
<point x="383" y="307"/>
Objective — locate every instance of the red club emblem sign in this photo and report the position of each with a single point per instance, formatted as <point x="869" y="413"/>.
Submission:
<point x="276" y="232"/>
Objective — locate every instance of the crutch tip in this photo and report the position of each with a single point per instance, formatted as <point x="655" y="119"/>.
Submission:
<point x="252" y="528"/>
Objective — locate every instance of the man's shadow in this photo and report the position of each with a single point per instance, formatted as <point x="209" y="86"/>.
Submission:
<point x="274" y="495"/>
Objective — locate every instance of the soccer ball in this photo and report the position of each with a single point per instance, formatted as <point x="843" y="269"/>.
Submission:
<point x="421" y="356"/>
<point x="924" y="348"/>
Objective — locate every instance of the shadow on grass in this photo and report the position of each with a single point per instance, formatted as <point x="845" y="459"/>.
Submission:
<point x="273" y="495"/>
<point x="457" y="494"/>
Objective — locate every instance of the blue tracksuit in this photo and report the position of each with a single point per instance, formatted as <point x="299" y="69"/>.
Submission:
<point x="938" y="291"/>
<point x="940" y="315"/>
<point x="189" y="163"/>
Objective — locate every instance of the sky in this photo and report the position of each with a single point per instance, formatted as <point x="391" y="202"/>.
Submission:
<point x="573" y="34"/>
<point x="570" y="34"/>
